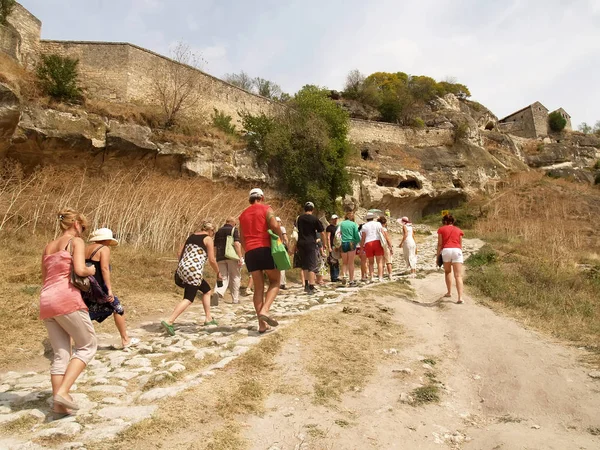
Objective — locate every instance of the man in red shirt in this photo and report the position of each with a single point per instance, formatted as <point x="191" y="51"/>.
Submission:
<point x="255" y="222"/>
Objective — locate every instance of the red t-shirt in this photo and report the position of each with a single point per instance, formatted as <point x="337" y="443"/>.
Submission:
<point x="253" y="223"/>
<point x="450" y="236"/>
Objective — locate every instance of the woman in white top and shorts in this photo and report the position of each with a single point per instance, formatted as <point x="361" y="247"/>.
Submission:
<point x="409" y="246"/>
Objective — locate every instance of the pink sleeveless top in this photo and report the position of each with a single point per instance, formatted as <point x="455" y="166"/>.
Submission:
<point x="59" y="296"/>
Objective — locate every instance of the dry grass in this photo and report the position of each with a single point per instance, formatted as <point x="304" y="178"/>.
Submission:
<point x="542" y="230"/>
<point x="144" y="209"/>
<point x="348" y="349"/>
<point x="22" y="424"/>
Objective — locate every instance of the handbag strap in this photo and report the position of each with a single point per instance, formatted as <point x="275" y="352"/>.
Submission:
<point x="69" y="244"/>
<point x="96" y="251"/>
<point x="232" y="231"/>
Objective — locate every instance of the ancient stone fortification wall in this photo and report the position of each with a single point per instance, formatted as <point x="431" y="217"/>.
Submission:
<point x="103" y="67"/>
<point x="9" y="41"/>
<point x="540" y="119"/>
<point x="125" y="72"/>
<point x="362" y="131"/>
<point x="29" y="29"/>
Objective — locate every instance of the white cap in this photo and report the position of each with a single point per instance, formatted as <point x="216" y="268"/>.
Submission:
<point x="257" y="192"/>
<point x="334" y="217"/>
<point x="277" y="219"/>
<point x="103" y="234"/>
<point x="370" y="215"/>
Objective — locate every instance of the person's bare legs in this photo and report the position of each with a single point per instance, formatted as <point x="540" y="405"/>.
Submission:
<point x="274" y="277"/>
<point x="56" y="381"/>
<point x="457" y="269"/>
<point x="389" y="269"/>
<point x="371" y="268"/>
<point x="181" y="307"/>
<point x="206" y="306"/>
<point x="363" y="266"/>
<point x="448" y="277"/>
<point x="379" y="266"/>
<point x="262" y="301"/>
<point x="350" y="256"/>
<point x="259" y="295"/>
<point x="74" y="369"/>
<point x="122" y="327"/>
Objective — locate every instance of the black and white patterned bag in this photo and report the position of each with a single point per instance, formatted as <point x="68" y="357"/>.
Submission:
<point x="191" y="264"/>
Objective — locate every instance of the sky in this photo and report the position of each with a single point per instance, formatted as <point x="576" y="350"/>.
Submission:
<point x="509" y="53"/>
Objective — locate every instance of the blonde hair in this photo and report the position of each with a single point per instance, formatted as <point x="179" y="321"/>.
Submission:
<point x="68" y="216"/>
<point x="207" y="226"/>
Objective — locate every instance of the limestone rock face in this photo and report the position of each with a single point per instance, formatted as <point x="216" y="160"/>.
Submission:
<point x="40" y="136"/>
<point x="10" y="114"/>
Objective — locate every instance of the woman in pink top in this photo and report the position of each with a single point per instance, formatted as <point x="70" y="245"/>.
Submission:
<point x="63" y="311"/>
<point x="450" y="247"/>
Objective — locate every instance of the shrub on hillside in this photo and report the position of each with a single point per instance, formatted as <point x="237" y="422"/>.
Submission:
<point x="222" y="121"/>
<point x="58" y="77"/>
<point x="461" y="131"/>
<point x="418" y="122"/>
<point x="556" y="121"/>
<point x="306" y="147"/>
<point x="6" y="7"/>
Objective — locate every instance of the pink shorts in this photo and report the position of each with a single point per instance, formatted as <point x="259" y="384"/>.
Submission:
<point x="373" y="248"/>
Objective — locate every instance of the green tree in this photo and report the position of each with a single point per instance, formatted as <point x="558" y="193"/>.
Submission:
<point x="306" y="146"/>
<point x="556" y="121"/>
<point x="596" y="129"/>
<point x="585" y="128"/>
<point x="267" y="88"/>
<point x="6" y="7"/>
<point x="58" y="77"/>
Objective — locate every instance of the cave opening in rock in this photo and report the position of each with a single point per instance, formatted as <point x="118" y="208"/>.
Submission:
<point x="458" y="183"/>
<point x="410" y="183"/>
<point x="364" y="154"/>
<point x="386" y="181"/>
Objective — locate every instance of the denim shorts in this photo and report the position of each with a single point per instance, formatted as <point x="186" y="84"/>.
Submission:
<point x="348" y="247"/>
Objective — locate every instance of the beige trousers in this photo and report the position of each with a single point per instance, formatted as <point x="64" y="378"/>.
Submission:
<point x="61" y="329"/>
<point x="232" y="276"/>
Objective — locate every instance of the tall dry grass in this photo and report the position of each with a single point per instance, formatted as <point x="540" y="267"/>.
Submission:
<point x="144" y="209"/>
<point x="554" y="220"/>
<point x="542" y="263"/>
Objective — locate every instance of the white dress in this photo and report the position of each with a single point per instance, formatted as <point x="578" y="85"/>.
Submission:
<point x="410" y="248"/>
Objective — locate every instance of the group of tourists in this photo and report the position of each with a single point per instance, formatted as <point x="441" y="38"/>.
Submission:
<point x="77" y="286"/>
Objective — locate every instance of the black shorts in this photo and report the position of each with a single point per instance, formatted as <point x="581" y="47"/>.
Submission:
<point x="308" y="256"/>
<point x="189" y="291"/>
<point x="259" y="259"/>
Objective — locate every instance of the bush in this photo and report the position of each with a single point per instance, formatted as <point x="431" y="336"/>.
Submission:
<point x="461" y="131"/>
<point x="556" y="121"/>
<point x="418" y="123"/>
<point x="306" y="147"/>
<point x="58" y="77"/>
<point x="484" y="257"/>
<point x="222" y="121"/>
<point x="6" y="7"/>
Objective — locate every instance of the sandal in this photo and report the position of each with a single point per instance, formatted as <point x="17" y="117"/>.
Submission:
<point x="59" y="400"/>
<point x="459" y="302"/>
<point x="212" y="322"/>
<point x="268" y="320"/>
<point x="170" y="329"/>
<point x="134" y="341"/>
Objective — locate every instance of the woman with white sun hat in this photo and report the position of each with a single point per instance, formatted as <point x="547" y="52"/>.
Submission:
<point x="102" y="303"/>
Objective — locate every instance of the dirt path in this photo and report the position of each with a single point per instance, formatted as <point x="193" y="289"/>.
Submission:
<point x="504" y="387"/>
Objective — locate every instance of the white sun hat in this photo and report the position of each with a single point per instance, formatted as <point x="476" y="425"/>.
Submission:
<point x="103" y="234"/>
<point x="257" y="192"/>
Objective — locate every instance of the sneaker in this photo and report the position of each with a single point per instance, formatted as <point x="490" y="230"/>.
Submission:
<point x="282" y="287"/>
<point x="311" y="290"/>
<point x="353" y="283"/>
<point x="306" y="288"/>
<point x="212" y="322"/>
<point x="381" y="279"/>
<point x="169" y="328"/>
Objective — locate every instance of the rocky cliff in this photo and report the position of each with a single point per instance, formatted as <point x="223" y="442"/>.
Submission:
<point x="411" y="171"/>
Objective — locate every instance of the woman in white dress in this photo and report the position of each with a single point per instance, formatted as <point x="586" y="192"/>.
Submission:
<point x="409" y="246"/>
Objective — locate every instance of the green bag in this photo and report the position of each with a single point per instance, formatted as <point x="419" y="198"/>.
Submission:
<point x="279" y="253"/>
<point x="230" y="252"/>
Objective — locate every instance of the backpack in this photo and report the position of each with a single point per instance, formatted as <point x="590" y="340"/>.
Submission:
<point x="337" y="237"/>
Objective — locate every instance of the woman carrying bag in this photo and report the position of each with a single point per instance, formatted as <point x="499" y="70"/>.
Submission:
<point x="197" y="250"/>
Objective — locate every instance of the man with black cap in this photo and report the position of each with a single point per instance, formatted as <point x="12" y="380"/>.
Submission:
<point x="308" y="227"/>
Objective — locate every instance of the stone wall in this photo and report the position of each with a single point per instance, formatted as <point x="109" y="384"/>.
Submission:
<point x="362" y="131"/>
<point x="9" y="41"/>
<point x="125" y="72"/>
<point x="29" y="28"/>
<point x="103" y="67"/>
<point x="540" y="119"/>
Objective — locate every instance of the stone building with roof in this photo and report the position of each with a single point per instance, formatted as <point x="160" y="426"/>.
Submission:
<point x="531" y="121"/>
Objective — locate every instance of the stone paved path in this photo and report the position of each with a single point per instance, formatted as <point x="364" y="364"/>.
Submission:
<point x="120" y="388"/>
